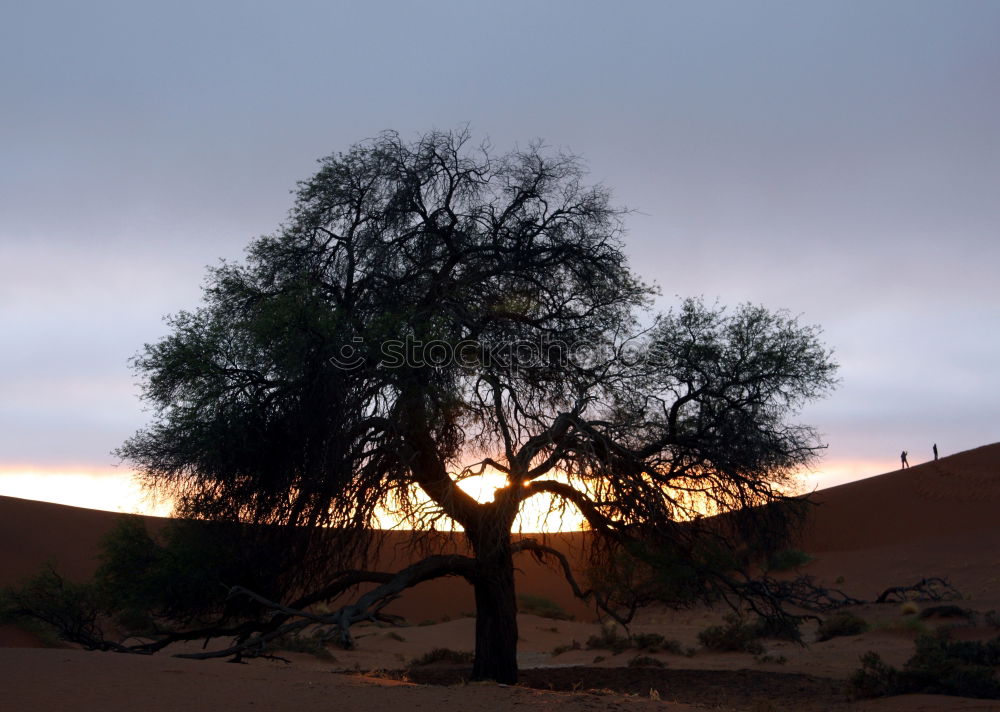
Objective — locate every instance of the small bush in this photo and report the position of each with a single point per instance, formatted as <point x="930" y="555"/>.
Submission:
<point x="645" y="661"/>
<point x="910" y="608"/>
<point x="776" y="659"/>
<point x="840" y="625"/>
<point x="910" y="624"/>
<point x="560" y="649"/>
<point x="442" y="655"/>
<point x="734" y="636"/>
<point x="302" y="644"/>
<point x="875" y="678"/>
<point x="948" y="611"/>
<point x="395" y="636"/>
<point x="56" y="608"/>
<point x="974" y="652"/>
<point x="938" y="667"/>
<point x="992" y="619"/>
<point x="788" y="559"/>
<point x="609" y="639"/>
<point x="541" y="606"/>
<point x="11" y="612"/>
<point x="742" y="636"/>
<point x="779" y="628"/>
<point x="656" y="643"/>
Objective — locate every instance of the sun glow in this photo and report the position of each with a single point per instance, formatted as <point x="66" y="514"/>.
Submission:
<point x="839" y="472"/>
<point x="536" y="514"/>
<point x="111" y="490"/>
<point x="116" y="490"/>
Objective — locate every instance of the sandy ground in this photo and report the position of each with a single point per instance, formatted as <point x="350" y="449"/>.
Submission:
<point x="44" y="680"/>
<point x="937" y="519"/>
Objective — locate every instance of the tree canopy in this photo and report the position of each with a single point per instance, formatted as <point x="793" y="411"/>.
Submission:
<point x="432" y="310"/>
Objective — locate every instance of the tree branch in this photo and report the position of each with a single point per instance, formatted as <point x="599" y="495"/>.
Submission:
<point x="367" y="607"/>
<point x="588" y="509"/>
<point x="540" y="551"/>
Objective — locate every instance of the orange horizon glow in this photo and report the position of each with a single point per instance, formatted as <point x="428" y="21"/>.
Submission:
<point x="108" y="489"/>
<point x="840" y="472"/>
<point x="116" y="490"/>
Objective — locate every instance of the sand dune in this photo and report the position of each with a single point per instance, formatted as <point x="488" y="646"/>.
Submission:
<point x="935" y="519"/>
<point x="33" y="533"/>
<point x="960" y="493"/>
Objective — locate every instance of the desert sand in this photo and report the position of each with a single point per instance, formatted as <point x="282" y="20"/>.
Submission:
<point x="934" y="519"/>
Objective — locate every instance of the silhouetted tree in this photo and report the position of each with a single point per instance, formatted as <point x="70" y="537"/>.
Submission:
<point x="431" y="311"/>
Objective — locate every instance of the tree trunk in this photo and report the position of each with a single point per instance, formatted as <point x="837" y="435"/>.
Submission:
<point x="496" y="612"/>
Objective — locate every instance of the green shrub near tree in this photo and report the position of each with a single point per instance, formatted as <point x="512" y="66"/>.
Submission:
<point x="938" y="667"/>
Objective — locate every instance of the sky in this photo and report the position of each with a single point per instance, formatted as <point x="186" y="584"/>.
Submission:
<point x="840" y="160"/>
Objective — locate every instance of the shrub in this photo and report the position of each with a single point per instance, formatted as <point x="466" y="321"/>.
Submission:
<point x="442" y="655"/>
<point x="787" y="559"/>
<point x="779" y="627"/>
<point x="655" y="643"/>
<point x="910" y="624"/>
<point x="948" y="611"/>
<point x="645" y="661"/>
<point x="742" y="636"/>
<point x="560" y="649"/>
<point x="776" y="659"/>
<point x="974" y="652"/>
<point x="609" y="639"/>
<point x="735" y="635"/>
<point x="56" y="608"/>
<point x="875" y="678"/>
<point x="839" y="625"/>
<point x="940" y="667"/>
<point x="541" y="606"/>
<point x="313" y="645"/>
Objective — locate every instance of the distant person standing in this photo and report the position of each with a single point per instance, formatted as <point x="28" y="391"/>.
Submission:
<point x="935" y="451"/>
<point x="902" y="456"/>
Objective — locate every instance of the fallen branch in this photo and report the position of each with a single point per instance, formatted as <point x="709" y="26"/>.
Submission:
<point x="804" y="593"/>
<point x="927" y="589"/>
<point x="367" y="607"/>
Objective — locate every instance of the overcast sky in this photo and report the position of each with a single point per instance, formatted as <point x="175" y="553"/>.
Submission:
<point x="840" y="160"/>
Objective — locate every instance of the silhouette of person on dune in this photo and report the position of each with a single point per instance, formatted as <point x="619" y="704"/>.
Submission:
<point x="935" y="451"/>
<point x="902" y="457"/>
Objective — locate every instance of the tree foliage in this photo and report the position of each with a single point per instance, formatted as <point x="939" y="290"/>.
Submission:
<point x="431" y="311"/>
